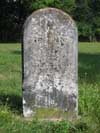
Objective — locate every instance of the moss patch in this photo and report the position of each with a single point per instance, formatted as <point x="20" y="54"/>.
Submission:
<point x="50" y="113"/>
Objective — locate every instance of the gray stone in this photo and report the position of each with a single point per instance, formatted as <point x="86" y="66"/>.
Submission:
<point x="50" y="89"/>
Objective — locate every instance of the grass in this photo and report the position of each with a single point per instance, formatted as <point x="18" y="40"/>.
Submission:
<point x="11" y="119"/>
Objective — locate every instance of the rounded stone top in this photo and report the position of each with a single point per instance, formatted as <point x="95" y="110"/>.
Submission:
<point x="61" y="15"/>
<point x="51" y="10"/>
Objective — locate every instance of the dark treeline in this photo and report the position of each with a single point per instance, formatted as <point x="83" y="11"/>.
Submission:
<point x="13" y="13"/>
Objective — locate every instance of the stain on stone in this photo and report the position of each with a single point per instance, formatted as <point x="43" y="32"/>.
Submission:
<point x="59" y="83"/>
<point x="62" y="44"/>
<point x="71" y="102"/>
<point x="41" y="84"/>
<point x="56" y="51"/>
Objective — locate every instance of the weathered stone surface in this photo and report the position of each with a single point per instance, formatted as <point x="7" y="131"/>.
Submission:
<point x="50" y="65"/>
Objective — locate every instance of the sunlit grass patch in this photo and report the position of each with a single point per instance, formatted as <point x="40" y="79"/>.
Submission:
<point x="11" y="118"/>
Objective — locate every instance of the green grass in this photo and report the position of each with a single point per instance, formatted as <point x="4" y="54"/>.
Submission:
<point x="11" y="119"/>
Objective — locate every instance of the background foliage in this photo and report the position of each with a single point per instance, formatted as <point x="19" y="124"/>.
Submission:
<point x="86" y="13"/>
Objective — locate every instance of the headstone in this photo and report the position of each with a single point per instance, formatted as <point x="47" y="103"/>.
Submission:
<point x="50" y="89"/>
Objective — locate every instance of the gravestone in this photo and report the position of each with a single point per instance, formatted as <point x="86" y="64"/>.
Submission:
<point x="50" y="88"/>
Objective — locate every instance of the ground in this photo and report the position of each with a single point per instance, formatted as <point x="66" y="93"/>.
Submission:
<point x="11" y="119"/>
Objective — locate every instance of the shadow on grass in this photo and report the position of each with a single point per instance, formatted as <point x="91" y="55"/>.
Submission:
<point x="89" y="67"/>
<point x="17" y="52"/>
<point x="12" y="101"/>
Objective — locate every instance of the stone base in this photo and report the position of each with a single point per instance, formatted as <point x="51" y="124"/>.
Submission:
<point x="52" y="114"/>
